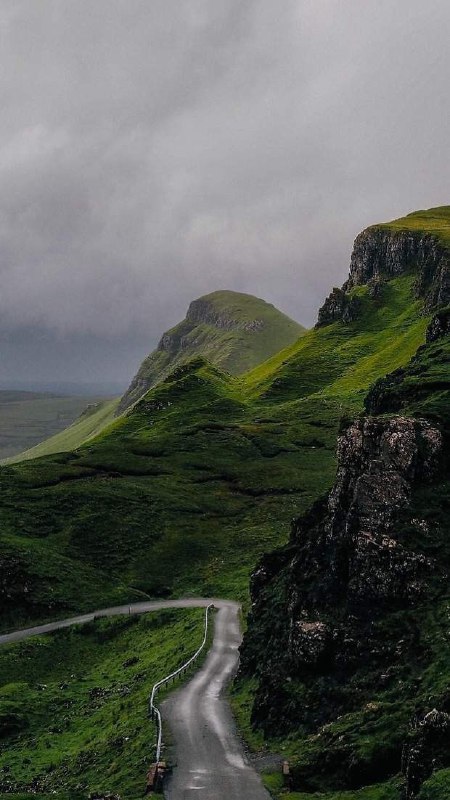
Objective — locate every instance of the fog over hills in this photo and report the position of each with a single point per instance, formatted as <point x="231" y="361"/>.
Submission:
<point x="153" y="152"/>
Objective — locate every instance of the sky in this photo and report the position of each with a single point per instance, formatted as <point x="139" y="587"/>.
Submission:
<point x="152" y="151"/>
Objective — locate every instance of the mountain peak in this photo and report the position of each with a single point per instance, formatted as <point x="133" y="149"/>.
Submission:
<point x="233" y="330"/>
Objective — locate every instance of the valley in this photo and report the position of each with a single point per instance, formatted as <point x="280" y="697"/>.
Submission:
<point x="192" y="491"/>
<point x="29" y="418"/>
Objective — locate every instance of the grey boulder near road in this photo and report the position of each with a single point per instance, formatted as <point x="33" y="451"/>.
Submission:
<point x="210" y="760"/>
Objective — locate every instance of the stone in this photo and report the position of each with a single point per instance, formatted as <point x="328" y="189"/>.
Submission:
<point x="380" y="254"/>
<point x="427" y="748"/>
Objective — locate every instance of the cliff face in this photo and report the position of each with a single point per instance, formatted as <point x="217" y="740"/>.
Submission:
<point x="380" y="253"/>
<point x="340" y="634"/>
<point x="332" y="622"/>
<point x="203" y="311"/>
<point x="344" y="553"/>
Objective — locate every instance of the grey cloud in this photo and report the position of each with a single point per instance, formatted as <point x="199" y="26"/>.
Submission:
<point x="154" y="151"/>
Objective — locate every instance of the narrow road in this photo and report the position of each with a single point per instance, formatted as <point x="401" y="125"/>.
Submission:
<point x="134" y="608"/>
<point x="210" y="760"/>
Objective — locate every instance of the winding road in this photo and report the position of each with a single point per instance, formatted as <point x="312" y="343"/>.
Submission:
<point x="210" y="760"/>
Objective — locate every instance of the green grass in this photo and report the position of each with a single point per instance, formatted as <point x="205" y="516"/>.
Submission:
<point x="167" y="500"/>
<point x="274" y="783"/>
<point x="234" y="331"/>
<point x="343" y="360"/>
<point x="94" y="419"/>
<point x="437" y="787"/>
<point x="184" y="493"/>
<point x="204" y="474"/>
<point x="433" y="220"/>
<point x="73" y="705"/>
<point x="27" y="418"/>
<point x="235" y="350"/>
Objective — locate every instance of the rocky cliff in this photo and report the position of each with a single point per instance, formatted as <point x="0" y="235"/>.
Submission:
<point x="381" y="253"/>
<point x="346" y="636"/>
<point x="337" y="616"/>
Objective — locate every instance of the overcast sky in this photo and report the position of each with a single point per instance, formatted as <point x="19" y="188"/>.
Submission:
<point x="155" y="150"/>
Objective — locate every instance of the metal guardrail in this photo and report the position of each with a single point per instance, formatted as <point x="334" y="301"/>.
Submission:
<point x="153" y="710"/>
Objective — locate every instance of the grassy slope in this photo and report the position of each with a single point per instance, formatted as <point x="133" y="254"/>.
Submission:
<point x="234" y="349"/>
<point x="186" y="491"/>
<point x="93" y="420"/>
<point x="74" y="713"/>
<point x="27" y="418"/>
<point x="343" y="360"/>
<point x="433" y="220"/>
<point x="422" y="389"/>
<point x="205" y="473"/>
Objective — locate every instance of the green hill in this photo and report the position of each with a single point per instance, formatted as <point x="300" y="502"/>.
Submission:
<point x="27" y="418"/>
<point x="347" y="650"/>
<point x="232" y="330"/>
<point x="185" y="491"/>
<point x="235" y="331"/>
<point x="202" y="476"/>
<point x="93" y="419"/>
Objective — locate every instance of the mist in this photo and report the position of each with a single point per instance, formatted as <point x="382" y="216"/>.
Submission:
<point x="151" y="152"/>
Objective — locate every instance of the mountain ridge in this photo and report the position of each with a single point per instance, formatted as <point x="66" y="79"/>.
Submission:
<point x="234" y="330"/>
<point x="346" y="646"/>
<point x="189" y="489"/>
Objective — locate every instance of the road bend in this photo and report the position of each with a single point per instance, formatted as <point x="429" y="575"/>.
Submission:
<point x="210" y="760"/>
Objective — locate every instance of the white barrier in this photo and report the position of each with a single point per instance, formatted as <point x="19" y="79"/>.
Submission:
<point x="154" y="711"/>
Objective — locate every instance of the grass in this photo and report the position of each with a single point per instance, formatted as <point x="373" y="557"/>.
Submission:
<point x="73" y="705"/>
<point x="167" y="501"/>
<point x="184" y="493"/>
<point x="204" y="474"/>
<point x="343" y="360"/>
<point x="437" y="787"/>
<point x="27" y="418"/>
<point x="232" y="330"/>
<point x="274" y="784"/>
<point x="90" y="421"/>
<point x="433" y="220"/>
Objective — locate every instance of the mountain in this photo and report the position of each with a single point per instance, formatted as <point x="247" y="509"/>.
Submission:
<point x="91" y="421"/>
<point x="347" y="646"/>
<point x="187" y="491"/>
<point x="197" y="480"/>
<point x="231" y="330"/>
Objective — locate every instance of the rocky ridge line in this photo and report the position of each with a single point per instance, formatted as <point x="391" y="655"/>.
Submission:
<point x="380" y="254"/>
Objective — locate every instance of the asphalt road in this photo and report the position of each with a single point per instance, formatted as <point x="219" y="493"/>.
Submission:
<point x="134" y="608"/>
<point x="210" y="760"/>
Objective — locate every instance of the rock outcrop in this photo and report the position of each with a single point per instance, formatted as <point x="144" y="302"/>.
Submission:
<point x="203" y="311"/>
<point x="439" y="326"/>
<point x="381" y="253"/>
<point x="339" y="634"/>
<point x="320" y="605"/>
<point x="426" y="749"/>
<point x="339" y="306"/>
